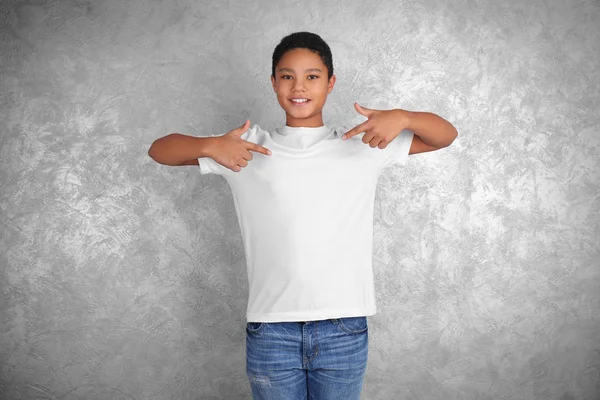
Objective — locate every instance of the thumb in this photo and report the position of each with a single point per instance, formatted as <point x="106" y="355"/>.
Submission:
<point x="243" y="128"/>
<point x="363" y="110"/>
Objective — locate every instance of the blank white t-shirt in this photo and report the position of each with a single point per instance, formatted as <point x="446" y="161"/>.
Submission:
<point x="306" y="218"/>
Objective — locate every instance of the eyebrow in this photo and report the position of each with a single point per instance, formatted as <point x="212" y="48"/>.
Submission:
<point x="306" y="70"/>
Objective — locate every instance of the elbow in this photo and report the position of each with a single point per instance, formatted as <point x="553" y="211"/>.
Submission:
<point x="162" y="150"/>
<point x="451" y="138"/>
<point x="154" y="152"/>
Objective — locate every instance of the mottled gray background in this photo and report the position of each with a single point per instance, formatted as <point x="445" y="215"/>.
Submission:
<point x="124" y="279"/>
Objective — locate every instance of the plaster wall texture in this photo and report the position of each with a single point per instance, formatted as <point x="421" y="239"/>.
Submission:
<point x="124" y="279"/>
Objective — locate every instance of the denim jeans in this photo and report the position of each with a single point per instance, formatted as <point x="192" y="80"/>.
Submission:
<point x="310" y="360"/>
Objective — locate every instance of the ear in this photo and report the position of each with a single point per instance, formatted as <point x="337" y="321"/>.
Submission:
<point x="331" y="84"/>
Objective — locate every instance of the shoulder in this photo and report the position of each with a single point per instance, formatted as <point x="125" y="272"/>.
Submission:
<point x="255" y="131"/>
<point x="257" y="134"/>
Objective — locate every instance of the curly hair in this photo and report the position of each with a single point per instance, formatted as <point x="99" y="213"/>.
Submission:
<point x="307" y="40"/>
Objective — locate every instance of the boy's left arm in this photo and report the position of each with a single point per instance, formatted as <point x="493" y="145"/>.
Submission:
<point x="432" y="132"/>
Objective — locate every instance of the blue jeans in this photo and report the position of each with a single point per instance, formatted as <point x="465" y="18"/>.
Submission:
<point x="311" y="360"/>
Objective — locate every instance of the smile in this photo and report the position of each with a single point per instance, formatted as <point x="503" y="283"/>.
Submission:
<point x="300" y="103"/>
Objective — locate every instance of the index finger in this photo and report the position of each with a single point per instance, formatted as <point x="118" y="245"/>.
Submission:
<point x="356" y="130"/>
<point x="259" y="149"/>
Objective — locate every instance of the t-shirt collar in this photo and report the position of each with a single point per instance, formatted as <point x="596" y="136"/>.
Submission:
<point x="302" y="130"/>
<point x="300" y="137"/>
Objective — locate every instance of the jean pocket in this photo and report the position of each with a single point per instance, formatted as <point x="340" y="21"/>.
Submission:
<point x="352" y="325"/>
<point x="254" y="327"/>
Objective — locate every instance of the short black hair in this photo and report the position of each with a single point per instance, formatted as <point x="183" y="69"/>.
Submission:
<point x="307" y="40"/>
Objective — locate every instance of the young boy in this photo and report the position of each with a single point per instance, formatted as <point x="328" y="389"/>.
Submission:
<point x="304" y="202"/>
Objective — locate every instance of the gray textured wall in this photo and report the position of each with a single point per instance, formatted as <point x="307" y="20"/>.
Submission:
<point x="124" y="279"/>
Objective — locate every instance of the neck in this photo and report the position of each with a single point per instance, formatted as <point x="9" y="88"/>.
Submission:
<point x="315" y="121"/>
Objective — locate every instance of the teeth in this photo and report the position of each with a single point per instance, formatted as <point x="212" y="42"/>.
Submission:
<point x="299" y="100"/>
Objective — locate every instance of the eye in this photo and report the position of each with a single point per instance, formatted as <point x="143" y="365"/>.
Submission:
<point x="285" y="76"/>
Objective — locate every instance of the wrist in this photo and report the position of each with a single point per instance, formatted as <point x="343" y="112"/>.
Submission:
<point x="207" y="146"/>
<point x="407" y="117"/>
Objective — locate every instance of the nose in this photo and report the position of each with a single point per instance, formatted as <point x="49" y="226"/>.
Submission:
<point x="298" y="85"/>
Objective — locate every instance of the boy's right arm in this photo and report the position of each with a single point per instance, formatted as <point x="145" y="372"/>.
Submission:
<point x="177" y="149"/>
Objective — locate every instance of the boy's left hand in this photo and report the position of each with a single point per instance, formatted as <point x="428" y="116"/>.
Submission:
<point x="381" y="127"/>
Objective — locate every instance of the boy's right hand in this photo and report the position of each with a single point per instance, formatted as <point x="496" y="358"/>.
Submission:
<point x="233" y="152"/>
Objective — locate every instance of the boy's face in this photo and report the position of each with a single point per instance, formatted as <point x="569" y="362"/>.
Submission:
<point x="301" y="74"/>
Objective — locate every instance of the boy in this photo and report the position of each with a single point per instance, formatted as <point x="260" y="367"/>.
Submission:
<point x="305" y="207"/>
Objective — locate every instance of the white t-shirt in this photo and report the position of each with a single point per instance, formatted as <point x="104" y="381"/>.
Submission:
<point x="306" y="218"/>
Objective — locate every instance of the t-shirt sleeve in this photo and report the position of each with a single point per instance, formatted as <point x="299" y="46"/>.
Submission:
<point x="396" y="152"/>
<point x="209" y="166"/>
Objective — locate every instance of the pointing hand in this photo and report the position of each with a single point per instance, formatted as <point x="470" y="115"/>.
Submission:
<point x="233" y="152"/>
<point x="381" y="127"/>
